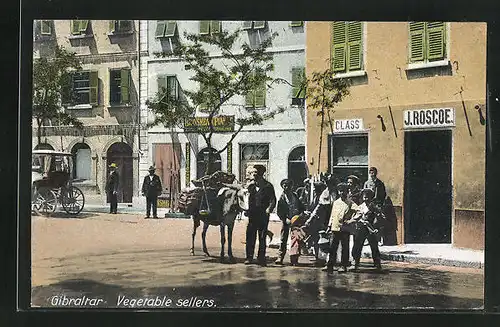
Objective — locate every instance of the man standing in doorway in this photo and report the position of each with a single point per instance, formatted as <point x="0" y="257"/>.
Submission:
<point x="112" y="188"/>
<point x="261" y="204"/>
<point x="377" y="186"/>
<point x="151" y="188"/>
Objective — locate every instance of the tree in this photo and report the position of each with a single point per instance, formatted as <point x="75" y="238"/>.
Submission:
<point x="51" y="78"/>
<point x="237" y="72"/>
<point x="323" y="92"/>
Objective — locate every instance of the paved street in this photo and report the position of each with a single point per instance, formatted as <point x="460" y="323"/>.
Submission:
<point x="120" y="258"/>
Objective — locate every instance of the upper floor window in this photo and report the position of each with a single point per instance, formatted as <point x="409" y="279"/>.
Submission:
<point x="46" y="27"/>
<point x="254" y="25"/>
<point x="257" y="97"/>
<point x="82" y="88"/>
<point x="79" y="27"/>
<point x="347" y="52"/>
<point x="119" y="86"/>
<point x="427" y="41"/>
<point x="296" y="23"/>
<point x="298" y="85"/>
<point x="120" y="26"/>
<point x="166" y="28"/>
<point x="210" y="27"/>
<point x="170" y="85"/>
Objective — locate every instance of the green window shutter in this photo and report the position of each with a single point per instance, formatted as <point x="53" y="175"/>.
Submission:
<point x="339" y="47"/>
<point x="84" y="24"/>
<point x="436" y="40"/>
<point x="112" y="26"/>
<point x="171" y="28"/>
<point x="302" y="77"/>
<point x="160" y="28"/>
<point x="247" y="25"/>
<point x="215" y="26"/>
<point x="203" y="89"/>
<point x="259" y="24"/>
<point x="162" y="83"/>
<point x="204" y="27"/>
<point x="295" y="82"/>
<point x="94" y="88"/>
<point x="66" y="88"/>
<point x="75" y="27"/>
<point x="260" y="96"/>
<point x="125" y="86"/>
<point x="45" y="27"/>
<point x="249" y="99"/>
<point x="354" y="45"/>
<point x="296" y="23"/>
<point x="172" y="87"/>
<point x="417" y="41"/>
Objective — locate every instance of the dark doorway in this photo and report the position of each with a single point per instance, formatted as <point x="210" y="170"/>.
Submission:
<point x="428" y="190"/>
<point x="297" y="167"/>
<point x="121" y="154"/>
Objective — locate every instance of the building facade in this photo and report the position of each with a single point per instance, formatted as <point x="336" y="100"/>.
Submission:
<point x="279" y="143"/>
<point x="416" y="111"/>
<point x="106" y="101"/>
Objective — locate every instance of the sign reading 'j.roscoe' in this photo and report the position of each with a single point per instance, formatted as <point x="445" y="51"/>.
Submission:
<point x="348" y="125"/>
<point x="440" y="117"/>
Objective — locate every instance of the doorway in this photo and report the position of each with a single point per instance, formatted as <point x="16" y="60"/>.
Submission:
<point x="121" y="154"/>
<point x="297" y="166"/>
<point x="82" y="164"/>
<point x="428" y="189"/>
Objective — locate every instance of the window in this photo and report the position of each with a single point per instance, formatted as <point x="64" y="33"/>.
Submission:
<point x="119" y="86"/>
<point x="257" y="97"/>
<point x="349" y="156"/>
<point x="120" y="26"/>
<point x="427" y="41"/>
<point x="347" y="51"/>
<point x="170" y="85"/>
<point x="296" y="23"/>
<point x="79" y="27"/>
<point x="45" y="27"/>
<point x="210" y="27"/>
<point x="202" y="161"/>
<point x="82" y="89"/>
<point x="254" y="25"/>
<point x="252" y="154"/>
<point x="166" y="28"/>
<point x="298" y="86"/>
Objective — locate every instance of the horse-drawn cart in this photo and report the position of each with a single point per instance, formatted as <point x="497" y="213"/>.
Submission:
<point x="51" y="178"/>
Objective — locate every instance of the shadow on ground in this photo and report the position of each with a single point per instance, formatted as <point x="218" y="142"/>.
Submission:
<point x="65" y="215"/>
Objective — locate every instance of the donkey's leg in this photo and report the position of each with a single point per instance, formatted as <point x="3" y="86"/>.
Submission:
<point x="222" y="240"/>
<point x="196" y="224"/>
<point x="203" y="238"/>
<point x="230" y="227"/>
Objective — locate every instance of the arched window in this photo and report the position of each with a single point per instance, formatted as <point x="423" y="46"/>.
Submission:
<point x="44" y="146"/>
<point x="297" y="166"/>
<point x="202" y="160"/>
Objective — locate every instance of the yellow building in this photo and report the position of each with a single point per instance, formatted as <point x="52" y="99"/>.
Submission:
<point x="416" y="111"/>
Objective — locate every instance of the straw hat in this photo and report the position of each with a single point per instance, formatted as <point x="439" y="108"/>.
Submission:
<point x="113" y="165"/>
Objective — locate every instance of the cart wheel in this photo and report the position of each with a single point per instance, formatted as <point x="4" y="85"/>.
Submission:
<point x="72" y="200"/>
<point x="45" y="202"/>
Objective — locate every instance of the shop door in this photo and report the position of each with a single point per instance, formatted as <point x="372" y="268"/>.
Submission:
<point x="121" y="155"/>
<point x="428" y="190"/>
<point x="83" y="164"/>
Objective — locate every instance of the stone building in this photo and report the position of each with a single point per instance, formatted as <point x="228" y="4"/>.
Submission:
<point x="107" y="102"/>
<point x="279" y="144"/>
<point x="417" y="112"/>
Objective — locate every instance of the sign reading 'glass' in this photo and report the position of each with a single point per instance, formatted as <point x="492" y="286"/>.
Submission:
<point x="441" y="117"/>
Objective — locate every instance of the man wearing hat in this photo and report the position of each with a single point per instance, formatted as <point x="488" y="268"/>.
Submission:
<point x="112" y="188"/>
<point x="289" y="205"/>
<point x="377" y="186"/>
<point x="151" y="188"/>
<point x="354" y="193"/>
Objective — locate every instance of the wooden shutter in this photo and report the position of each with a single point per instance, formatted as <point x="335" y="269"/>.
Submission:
<point x="247" y="25"/>
<point x="112" y="26"/>
<point x="260" y="96"/>
<point x="295" y="82"/>
<point x="171" y="27"/>
<point x="296" y="23"/>
<point x="215" y="26"/>
<point x="66" y="88"/>
<point x="162" y="83"/>
<point x="45" y="27"/>
<point x="417" y="41"/>
<point x="354" y="45"/>
<point x="258" y="24"/>
<point x="125" y="86"/>
<point x="436" y="41"/>
<point x="75" y="27"/>
<point x="94" y="88"/>
<point x="204" y="27"/>
<point x="84" y="24"/>
<point x="172" y="87"/>
<point x="250" y="99"/>
<point x="339" y="46"/>
<point x="160" y="28"/>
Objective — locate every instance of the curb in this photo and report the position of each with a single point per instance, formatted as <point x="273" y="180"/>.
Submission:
<point x="427" y="260"/>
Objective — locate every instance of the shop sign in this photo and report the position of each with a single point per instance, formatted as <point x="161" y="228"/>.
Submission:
<point x="348" y="125"/>
<point x="163" y="202"/>
<point x="200" y="124"/>
<point x="425" y="118"/>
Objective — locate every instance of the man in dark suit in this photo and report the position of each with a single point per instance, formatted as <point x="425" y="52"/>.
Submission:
<point x="112" y="188"/>
<point x="151" y="188"/>
<point x="261" y="203"/>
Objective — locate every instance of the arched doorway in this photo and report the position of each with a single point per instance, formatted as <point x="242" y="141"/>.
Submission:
<point x="297" y="166"/>
<point x="44" y="146"/>
<point x="82" y="161"/>
<point x="202" y="160"/>
<point x="121" y="154"/>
